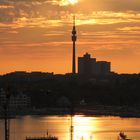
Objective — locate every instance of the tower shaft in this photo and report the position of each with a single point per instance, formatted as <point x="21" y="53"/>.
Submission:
<point x="73" y="59"/>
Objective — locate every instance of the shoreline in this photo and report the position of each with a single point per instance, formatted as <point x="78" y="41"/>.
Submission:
<point x="101" y="111"/>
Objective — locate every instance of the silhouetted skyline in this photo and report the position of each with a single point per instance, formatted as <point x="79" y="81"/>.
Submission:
<point x="89" y="66"/>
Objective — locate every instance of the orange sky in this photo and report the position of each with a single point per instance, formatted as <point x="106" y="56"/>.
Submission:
<point x="35" y="35"/>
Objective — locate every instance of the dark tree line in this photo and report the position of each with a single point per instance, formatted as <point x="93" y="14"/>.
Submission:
<point x="45" y="90"/>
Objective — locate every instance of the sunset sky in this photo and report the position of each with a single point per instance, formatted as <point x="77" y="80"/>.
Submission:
<point x="35" y="35"/>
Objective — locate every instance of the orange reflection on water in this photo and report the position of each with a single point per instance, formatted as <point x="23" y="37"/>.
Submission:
<point x="83" y="128"/>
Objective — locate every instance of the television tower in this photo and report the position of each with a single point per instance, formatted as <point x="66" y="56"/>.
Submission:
<point x="74" y="46"/>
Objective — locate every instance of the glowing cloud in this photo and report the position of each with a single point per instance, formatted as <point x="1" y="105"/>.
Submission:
<point x="68" y="2"/>
<point x="73" y="1"/>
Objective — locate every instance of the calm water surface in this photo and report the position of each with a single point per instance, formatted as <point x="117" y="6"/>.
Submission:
<point x="85" y="128"/>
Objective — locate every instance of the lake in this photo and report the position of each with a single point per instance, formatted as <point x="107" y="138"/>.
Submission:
<point x="85" y="127"/>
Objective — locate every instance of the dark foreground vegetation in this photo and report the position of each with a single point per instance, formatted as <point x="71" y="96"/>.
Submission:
<point x="119" y="92"/>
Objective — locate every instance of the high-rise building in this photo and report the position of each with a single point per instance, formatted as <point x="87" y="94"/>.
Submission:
<point x="74" y="47"/>
<point x="89" y="66"/>
<point x="86" y="64"/>
<point x="103" y="67"/>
